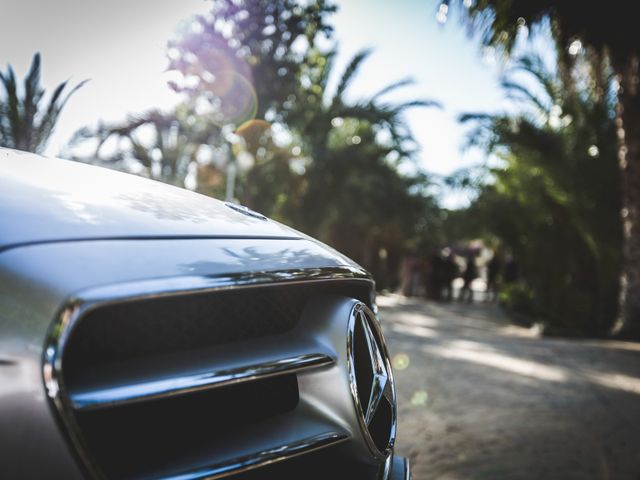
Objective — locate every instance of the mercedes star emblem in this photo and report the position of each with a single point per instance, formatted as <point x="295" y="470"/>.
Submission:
<point x="371" y="379"/>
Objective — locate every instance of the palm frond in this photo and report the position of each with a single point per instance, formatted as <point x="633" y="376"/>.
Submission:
<point x="327" y="68"/>
<point x="474" y="117"/>
<point x="350" y="72"/>
<point x="24" y="123"/>
<point x="32" y="90"/>
<point x="405" y="82"/>
<point x="416" y="103"/>
<point x="518" y="91"/>
<point x="534" y="66"/>
<point x="12" y="110"/>
<point x="72" y="91"/>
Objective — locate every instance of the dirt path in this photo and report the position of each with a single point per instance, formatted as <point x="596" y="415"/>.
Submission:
<point x="482" y="399"/>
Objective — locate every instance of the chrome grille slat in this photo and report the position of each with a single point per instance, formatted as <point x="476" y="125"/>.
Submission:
<point x="186" y="383"/>
<point x="249" y="442"/>
<point x="263" y="458"/>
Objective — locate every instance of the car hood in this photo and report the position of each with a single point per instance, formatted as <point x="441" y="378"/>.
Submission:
<point x="47" y="200"/>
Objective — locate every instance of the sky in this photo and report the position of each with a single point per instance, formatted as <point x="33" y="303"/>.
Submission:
<point x="121" y="47"/>
<point x="446" y="64"/>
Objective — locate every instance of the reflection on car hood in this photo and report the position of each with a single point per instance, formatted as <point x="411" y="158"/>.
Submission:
<point x="46" y="200"/>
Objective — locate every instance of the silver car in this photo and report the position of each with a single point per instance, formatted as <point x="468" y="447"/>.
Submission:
<point x="149" y="332"/>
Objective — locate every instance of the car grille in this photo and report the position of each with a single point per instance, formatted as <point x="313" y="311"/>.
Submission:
<point x="199" y="383"/>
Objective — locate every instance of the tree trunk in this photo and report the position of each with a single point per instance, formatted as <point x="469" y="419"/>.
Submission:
<point x="628" y="124"/>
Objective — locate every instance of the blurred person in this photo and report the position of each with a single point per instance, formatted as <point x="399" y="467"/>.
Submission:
<point x="469" y="275"/>
<point x="434" y="275"/>
<point x="449" y="274"/>
<point x="409" y="274"/>
<point x="494" y="270"/>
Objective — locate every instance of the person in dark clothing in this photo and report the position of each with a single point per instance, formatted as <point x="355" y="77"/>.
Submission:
<point x="433" y="285"/>
<point x="511" y="273"/>
<point x="449" y="274"/>
<point x="469" y="275"/>
<point x="494" y="269"/>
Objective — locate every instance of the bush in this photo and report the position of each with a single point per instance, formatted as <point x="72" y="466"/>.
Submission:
<point x="519" y="298"/>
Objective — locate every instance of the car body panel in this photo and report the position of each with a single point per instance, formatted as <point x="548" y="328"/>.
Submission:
<point x="37" y="280"/>
<point x="47" y="199"/>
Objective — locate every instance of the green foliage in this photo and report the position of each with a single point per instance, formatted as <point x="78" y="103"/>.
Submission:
<point x="318" y="111"/>
<point x="610" y="29"/>
<point x="554" y="199"/>
<point x="519" y="298"/>
<point x="355" y="198"/>
<point x="159" y="145"/>
<point x="270" y="184"/>
<point x="26" y="120"/>
<point x="263" y="43"/>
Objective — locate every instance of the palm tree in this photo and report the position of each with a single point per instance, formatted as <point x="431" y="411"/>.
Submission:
<point x="554" y="202"/>
<point x="355" y="198"/>
<point x="609" y="28"/>
<point x="318" y="110"/>
<point x="163" y="146"/>
<point x="26" y="122"/>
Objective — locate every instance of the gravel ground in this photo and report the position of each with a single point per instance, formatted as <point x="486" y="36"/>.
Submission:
<point x="482" y="399"/>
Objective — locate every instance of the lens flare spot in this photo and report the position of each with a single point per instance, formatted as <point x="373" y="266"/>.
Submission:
<point x="237" y="99"/>
<point x="419" y="398"/>
<point x="400" y="361"/>
<point x="254" y="134"/>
